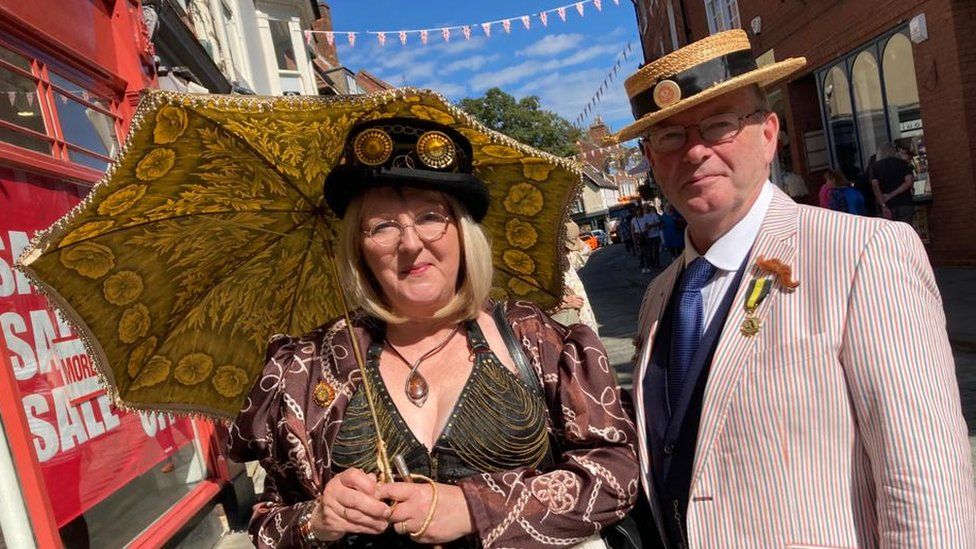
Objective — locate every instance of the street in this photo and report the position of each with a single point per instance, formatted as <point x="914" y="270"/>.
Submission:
<point x="615" y="286"/>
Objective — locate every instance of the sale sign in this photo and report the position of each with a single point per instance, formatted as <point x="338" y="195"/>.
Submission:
<point x="86" y="447"/>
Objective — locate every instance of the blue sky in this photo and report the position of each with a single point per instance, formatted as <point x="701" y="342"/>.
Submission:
<point x="563" y="64"/>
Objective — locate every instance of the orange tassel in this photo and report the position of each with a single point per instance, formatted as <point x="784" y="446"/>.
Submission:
<point x="782" y="271"/>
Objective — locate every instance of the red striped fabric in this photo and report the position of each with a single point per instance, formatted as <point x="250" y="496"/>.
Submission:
<point x="840" y="423"/>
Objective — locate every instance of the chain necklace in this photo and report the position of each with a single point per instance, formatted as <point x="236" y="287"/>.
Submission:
<point x="416" y="386"/>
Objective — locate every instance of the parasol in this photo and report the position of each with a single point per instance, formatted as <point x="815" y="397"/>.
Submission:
<point x="209" y="234"/>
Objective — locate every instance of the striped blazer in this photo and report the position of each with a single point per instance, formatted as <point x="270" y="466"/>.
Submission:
<point x="839" y="424"/>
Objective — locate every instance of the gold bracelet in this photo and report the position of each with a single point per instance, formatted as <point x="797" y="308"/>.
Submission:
<point x="433" y="506"/>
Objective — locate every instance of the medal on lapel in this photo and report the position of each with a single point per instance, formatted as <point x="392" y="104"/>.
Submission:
<point x="758" y="290"/>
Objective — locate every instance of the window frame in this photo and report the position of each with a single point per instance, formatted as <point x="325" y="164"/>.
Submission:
<point x="60" y="147"/>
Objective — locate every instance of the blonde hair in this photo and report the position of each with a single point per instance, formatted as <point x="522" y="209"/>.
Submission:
<point x="474" y="274"/>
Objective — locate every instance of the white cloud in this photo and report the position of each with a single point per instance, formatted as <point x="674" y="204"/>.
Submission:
<point x="551" y="44"/>
<point x="516" y="73"/>
<point x="567" y="93"/>
<point x="472" y="63"/>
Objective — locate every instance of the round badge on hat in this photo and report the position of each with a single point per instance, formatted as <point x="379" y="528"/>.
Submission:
<point x="435" y="150"/>
<point x="666" y="93"/>
<point x="373" y="147"/>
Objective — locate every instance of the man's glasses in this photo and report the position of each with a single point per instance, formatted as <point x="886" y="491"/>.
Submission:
<point x="716" y="129"/>
<point x="429" y="227"/>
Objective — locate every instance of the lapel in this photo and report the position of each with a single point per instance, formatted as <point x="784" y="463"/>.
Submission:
<point x="776" y="239"/>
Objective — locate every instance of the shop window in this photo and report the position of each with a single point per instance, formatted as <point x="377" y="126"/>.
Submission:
<point x="45" y="112"/>
<point x="21" y="122"/>
<point x="722" y="15"/>
<point x="904" y="114"/>
<point x="869" y="103"/>
<point x="840" y="120"/>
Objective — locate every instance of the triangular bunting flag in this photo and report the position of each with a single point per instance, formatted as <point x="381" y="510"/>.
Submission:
<point x="64" y="99"/>
<point x="382" y="38"/>
<point x="352" y="39"/>
<point x="423" y="37"/>
<point x="308" y="38"/>
<point x="616" y="2"/>
<point x="562" y="13"/>
<point x="579" y="8"/>
<point x="598" y="4"/>
<point x="526" y="21"/>
<point x="487" y="28"/>
<point x="446" y="34"/>
<point x="30" y="98"/>
<point x="403" y="38"/>
<point x="12" y="97"/>
<point x="544" y="17"/>
<point x="507" y="25"/>
<point x="330" y="38"/>
<point x="467" y="32"/>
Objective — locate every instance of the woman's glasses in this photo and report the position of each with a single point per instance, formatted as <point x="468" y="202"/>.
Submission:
<point x="429" y="227"/>
<point x="716" y="129"/>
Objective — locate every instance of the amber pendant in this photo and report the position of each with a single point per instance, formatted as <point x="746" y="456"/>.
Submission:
<point x="416" y="388"/>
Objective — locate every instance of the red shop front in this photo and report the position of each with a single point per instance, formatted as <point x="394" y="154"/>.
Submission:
<point x="74" y="470"/>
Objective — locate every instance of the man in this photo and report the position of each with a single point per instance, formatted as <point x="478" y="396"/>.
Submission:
<point x="795" y="385"/>
<point x="651" y="222"/>
<point x="892" y="179"/>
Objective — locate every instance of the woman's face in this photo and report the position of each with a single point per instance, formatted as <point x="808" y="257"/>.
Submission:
<point x="417" y="278"/>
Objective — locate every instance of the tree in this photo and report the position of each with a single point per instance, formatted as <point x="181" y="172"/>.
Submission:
<point x="525" y="121"/>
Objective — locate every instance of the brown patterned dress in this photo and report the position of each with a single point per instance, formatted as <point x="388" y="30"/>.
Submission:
<point x="592" y="484"/>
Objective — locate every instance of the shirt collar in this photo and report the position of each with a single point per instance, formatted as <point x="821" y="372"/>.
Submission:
<point x="731" y="249"/>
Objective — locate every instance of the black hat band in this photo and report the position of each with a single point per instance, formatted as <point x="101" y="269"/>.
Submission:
<point x="695" y="80"/>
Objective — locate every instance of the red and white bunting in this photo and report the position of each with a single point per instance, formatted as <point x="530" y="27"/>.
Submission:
<point x="381" y="37"/>
<point x="352" y="39"/>
<point x="598" y="4"/>
<point x="308" y="38"/>
<point x="526" y="21"/>
<point x="487" y="28"/>
<point x="616" y="2"/>
<point x="446" y="34"/>
<point x="330" y="38"/>
<point x="562" y="13"/>
<point x="403" y="38"/>
<point x="423" y="37"/>
<point x="507" y="25"/>
<point x="544" y="17"/>
<point x="30" y="98"/>
<point x="579" y="8"/>
<point x="466" y="30"/>
<point x="12" y="97"/>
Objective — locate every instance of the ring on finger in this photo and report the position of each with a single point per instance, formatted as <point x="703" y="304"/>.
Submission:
<point x="401" y="528"/>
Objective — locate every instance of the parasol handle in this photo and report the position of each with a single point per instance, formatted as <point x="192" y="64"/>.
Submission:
<point x="382" y="457"/>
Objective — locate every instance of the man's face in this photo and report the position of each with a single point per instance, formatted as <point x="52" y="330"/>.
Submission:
<point x="712" y="182"/>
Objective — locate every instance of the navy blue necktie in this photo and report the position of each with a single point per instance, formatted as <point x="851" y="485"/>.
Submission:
<point x="687" y="325"/>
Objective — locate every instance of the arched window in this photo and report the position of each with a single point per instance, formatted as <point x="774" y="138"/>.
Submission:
<point x="869" y="103"/>
<point x="901" y="88"/>
<point x="837" y="105"/>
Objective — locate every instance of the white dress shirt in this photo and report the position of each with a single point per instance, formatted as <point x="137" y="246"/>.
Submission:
<point x="728" y="253"/>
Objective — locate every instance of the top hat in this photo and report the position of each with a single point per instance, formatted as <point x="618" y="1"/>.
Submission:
<point x="694" y="74"/>
<point x="406" y="152"/>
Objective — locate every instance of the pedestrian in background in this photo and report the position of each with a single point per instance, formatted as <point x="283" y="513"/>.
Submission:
<point x="623" y="231"/>
<point x="650" y="223"/>
<point x="892" y="179"/>
<point x="575" y="307"/>
<point x="673" y="231"/>
<point x="837" y="194"/>
<point x="794" y="381"/>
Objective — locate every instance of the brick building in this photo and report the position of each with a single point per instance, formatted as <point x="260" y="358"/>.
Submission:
<point x="878" y="70"/>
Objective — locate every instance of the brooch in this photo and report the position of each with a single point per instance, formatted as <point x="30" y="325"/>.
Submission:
<point x="758" y="290"/>
<point x="323" y="394"/>
<point x="782" y="271"/>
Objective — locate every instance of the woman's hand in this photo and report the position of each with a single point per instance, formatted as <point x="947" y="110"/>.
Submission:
<point x="451" y="519"/>
<point x="349" y="505"/>
<point x="571" y="301"/>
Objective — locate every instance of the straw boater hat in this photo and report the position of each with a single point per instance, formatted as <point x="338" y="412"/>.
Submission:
<point x="694" y="74"/>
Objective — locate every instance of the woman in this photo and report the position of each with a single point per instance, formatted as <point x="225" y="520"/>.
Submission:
<point x="575" y="307"/>
<point x="450" y="396"/>
<point x="837" y="194"/>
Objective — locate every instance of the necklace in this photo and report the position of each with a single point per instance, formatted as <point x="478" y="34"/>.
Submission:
<point x="416" y="386"/>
